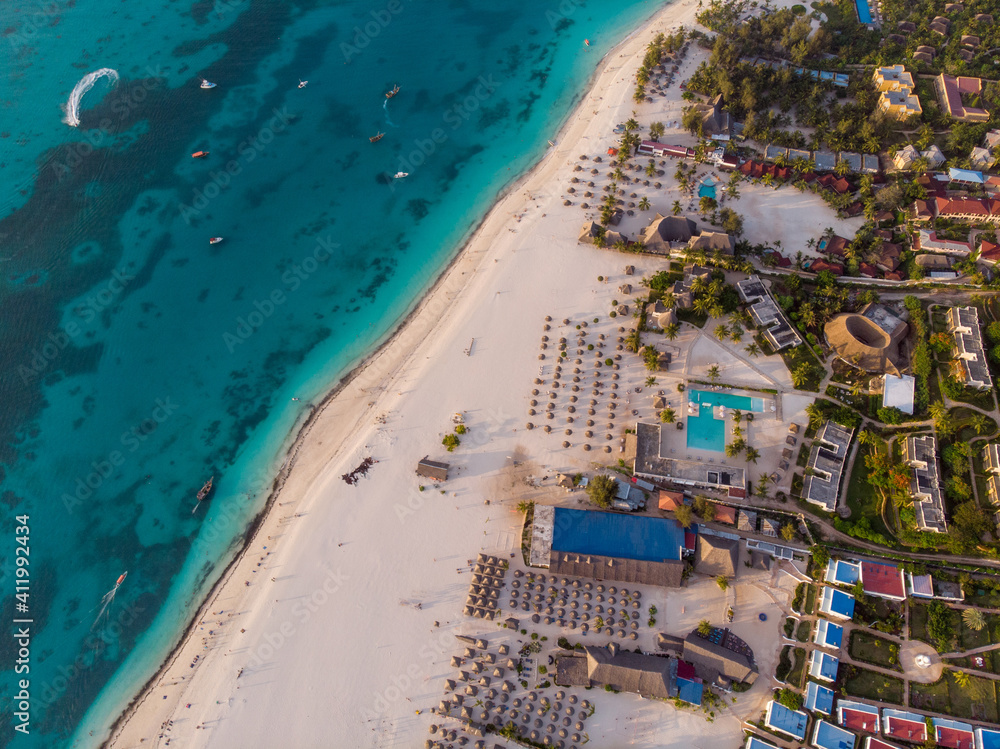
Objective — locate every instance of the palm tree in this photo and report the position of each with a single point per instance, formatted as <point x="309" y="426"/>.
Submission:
<point x="842" y="168"/>
<point x="650" y="381"/>
<point x="961" y="678"/>
<point x="669" y="300"/>
<point x="801" y="374"/>
<point x="705" y="628"/>
<point x="866" y="437"/>
<point x="722" y="582"/>
<point x="721" y="332"/>
<point x="677" y="208"/>
<point x="857" y="387"/>
<point x="713" y="372"/>
<point x="668" y="416"/>
<point x="815" y="413"/>
<point x="656" y="130"/>
<point x="735" y="333"/>
<point x="651" y="168"/>
<point x="752" y="348"/>
<point x="630" y="125"/>
<point x="752" y="454"/>
<point x="671" y="331"/>
<point x="979" y="423"/>
<point x="644" y="204"/>
<point x="974" y="619"/>
<point x="703" y="305"/>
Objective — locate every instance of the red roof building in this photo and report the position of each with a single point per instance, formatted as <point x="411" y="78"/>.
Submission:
<point x="670" y="501"/>
<point x="690" y="539"/>
<point x="868" y="271"/>
<point x="883" y="580"/>
<point x="913" y="731"/>
<point x="858" y="720"/>
<point x="889" y="257"/>
<point x="725" y="514"/>
<point x="820" y="265"/>
<point x="854" y="209"/>
<point x="989" y="252"/>
<point x="736" y="493"/>
<point x="923" y="210"/>
<point x="955" y="738"/>
<point x="894" y="275"/>
<point x="872" y="743"/>
<point x="835" y="245"/>
<point x="961" y="208"/>
<point x="807" y="176"/>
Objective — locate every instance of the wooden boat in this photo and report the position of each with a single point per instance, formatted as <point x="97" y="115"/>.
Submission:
<point x="390" y="94"/>
<point x="199" y="154"/>
<point x="376" y="138"/>
<point x="206" y="489"/>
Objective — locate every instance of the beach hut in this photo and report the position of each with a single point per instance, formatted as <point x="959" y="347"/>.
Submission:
<point x="432" y="469"/>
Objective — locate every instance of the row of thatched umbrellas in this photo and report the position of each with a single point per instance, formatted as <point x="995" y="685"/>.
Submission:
<point x="483" y="601"/>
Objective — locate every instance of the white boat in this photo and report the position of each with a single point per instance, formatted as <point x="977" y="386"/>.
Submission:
<point x="215" y="240"/>
<point x="400" y="175"/>
<point x="207" y="84"/>
<point x="302" y="83"/>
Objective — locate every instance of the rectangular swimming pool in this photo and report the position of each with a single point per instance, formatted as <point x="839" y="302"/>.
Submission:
<point x="612" y="535"/>
<point x="864" y="12"/>
<point x="704" y="431"/>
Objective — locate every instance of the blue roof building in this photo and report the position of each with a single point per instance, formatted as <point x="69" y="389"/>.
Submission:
<point x="836" y="603"/>
<point x="966" y="175"/>
<point x="690" y="690"/>
<point x="987" y="738"/>
<point x="829" y="635"/>
<point x="819" y="699"/>
<point x="823" y="666"/>
<point x="790" y="722"/>
<point x="828" y="736"/>
<point x="755" y="742"/>
<point x="840" y="572"/>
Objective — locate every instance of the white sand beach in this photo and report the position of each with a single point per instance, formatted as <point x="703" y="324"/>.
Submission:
<point x="337" y="624"/>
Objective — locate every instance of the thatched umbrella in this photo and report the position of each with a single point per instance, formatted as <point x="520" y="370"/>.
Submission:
<point x="565" y="444"/>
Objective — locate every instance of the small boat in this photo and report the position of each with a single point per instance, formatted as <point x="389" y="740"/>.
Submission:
<point x="206" y="489"/>
<point x="121" y="579"/>
<point x="199" y="154"/>
<point x="400" y="175"/>
<point x="302" y="83"/>
<point x="215" y="240"/>
<point x="207" y="84"/>
<point x="587" y="42"/>
<point x="390" y="94"/>
<point x="551" y="144"/>
<point x="376" y="138"/>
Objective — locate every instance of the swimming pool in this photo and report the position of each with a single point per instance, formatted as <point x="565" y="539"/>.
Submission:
<point x="707" y="188"/>
<point x="864" y="12"/>
<point x="612" y="535"/>
<point x="704" y="431"/>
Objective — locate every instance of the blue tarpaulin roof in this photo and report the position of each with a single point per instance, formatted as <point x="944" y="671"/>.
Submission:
<point x="690" y="691"/>
<point x="791" y="722"/>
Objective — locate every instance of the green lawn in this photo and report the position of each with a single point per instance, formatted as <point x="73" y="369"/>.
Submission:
<point x="804" y="631"/>
<point x="860" y="682"/>
<point x="862" y="497"/>
<point x="918" y="622"/>
<point x="810" y="599"/>
<point x="795" y="356"/>
<point x="784" y="664"/>
<point x="975" y="699"/>
<point x="933" y="697"/>
<point x="795" y="676"/>
<point x="870" y="648"/>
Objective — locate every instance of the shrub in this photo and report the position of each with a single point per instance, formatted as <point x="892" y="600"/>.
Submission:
<point x="460" y="429"/>
<point x="451" y="441"/>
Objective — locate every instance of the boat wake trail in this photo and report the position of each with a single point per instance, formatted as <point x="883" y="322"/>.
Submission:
<point x="385" y="107"/>
<point x="72" y="107"/>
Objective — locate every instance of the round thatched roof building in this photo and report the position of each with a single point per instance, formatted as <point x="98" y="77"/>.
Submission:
<point x="862" y="343"/>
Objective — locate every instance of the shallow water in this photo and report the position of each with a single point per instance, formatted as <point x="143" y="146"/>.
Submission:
<point x="137" y="360"/>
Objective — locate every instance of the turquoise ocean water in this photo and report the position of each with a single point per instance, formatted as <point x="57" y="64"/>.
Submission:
<point x="137" y="360"/>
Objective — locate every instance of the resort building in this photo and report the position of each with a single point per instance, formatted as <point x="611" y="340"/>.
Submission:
<point x="953" y="734"/>
<point x="920" y="453"/>
<point x="828" y="736"/>
<point x="991" y="464"/>
<point x="828" y="635"/>
<point x="712" y="242"/>
<point x="842" y="572"/>
<point x="789" y="722"/>
<point x="652" y="462"/>
<point x="836" y="603"/>
<point x="857" y="716"/>
<point x="987" y="738"/>
<point x="868" y="339"/>
<point x="819" y="699"/>
<point x="826" y="461"/>
<point x="898" y="392"/>
<point x="872" y="742"/>
<point x="823" y="666"/>
<point x="625" y="671"/>
<point x="904" y="726"/>
<point x="896" y="97"/>
<point x="665" y="233"/>
<point x="963" y="324"/>
<point x="756" y="742"/>
<point x="905" y="157"/>
<point x="721" y="659"/>
<point x="747" y="521"/>
<point x="950" y="91"/>
<point x="767" y="316"/>
<point x="716" y="556"/>
<point x="929" y="241"/>
<point x="432" y="469"/>
<point x="883" y="580"/>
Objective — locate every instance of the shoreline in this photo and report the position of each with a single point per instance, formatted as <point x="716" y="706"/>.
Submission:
<point x="373" y="370"/>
